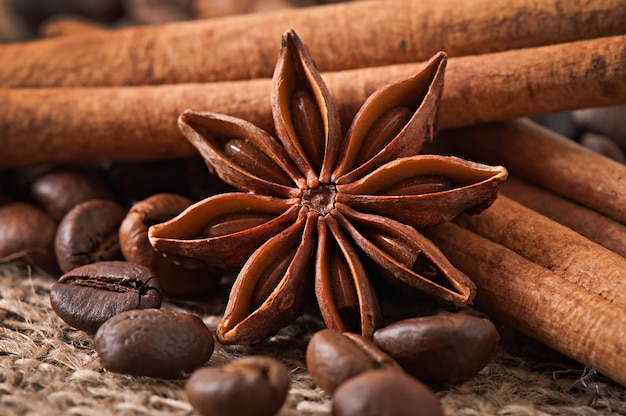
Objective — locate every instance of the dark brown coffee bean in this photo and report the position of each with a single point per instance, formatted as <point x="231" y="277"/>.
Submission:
<point x="60" y="190"/>
<point x="384" y="392"/>
<point x="252" y="386"/>
<point x="153" y="342"/>
<point x="89" y="295"/>
<point x="27" y="233"/>
<point x="333" y="358"/>
<point x="188" y="278"/>
<point x="88" y="234"/>
<point x="442" y="348"/>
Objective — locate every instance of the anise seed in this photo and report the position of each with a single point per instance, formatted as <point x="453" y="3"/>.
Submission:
<point x="270" y="278"/>
<point x="384" y="129"/>
<point x="307" y="122"/>
<point x="344" y="291"/>
<point x="397" y="249"/>
<point x="251" y="159"/>
<point x="232" y="223"/>
<point x="422" y="184"/>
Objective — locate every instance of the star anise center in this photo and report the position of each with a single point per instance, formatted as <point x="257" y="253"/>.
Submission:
<point x="320" y="199"/>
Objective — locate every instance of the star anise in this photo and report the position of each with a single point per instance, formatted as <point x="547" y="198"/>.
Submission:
<point x="316" y="208"/>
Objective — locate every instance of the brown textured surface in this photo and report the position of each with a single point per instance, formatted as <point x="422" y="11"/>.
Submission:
<point x="47" y="368"/>
<point x="339" y="36"/>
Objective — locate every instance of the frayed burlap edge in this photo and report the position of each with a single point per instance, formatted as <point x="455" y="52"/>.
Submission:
<point x="48" y="368"/>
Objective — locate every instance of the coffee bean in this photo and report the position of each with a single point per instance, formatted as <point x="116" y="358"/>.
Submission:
<point x="88" y="234"/>
<point x="384" y="392"/>
<point x="89" y="295"/>
<point x="252" y="386"/>
<point x="179" y="278"/>
<point x="441" y="348"/>
<point x="154" y="343"/>
<point x="60" y="190"/>
<point x="333" y="358"/>
<point x="27" y="233"/>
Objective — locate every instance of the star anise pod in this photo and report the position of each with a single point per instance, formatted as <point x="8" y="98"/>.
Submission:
<point x="316" y="208"/>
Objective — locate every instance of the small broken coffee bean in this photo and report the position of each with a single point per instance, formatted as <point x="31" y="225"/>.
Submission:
<point x="333" y="358"/>
<point x="153" y="342"/>
<point x="89" y="295"/>
<point x="252" y="386"/>
<point x="27" y="233"/>
<point x="179" y="278"/>
<point x="60" y="190"/>
<point x="384" y="392"/>
<point x="88" y="234"/>
<point x="446" y="348"/>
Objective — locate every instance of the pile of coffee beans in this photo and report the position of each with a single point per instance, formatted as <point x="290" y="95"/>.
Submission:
<point x="386" y="375"/>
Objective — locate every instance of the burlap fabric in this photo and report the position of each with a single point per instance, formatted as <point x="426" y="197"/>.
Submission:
<point x="48" y="368"/>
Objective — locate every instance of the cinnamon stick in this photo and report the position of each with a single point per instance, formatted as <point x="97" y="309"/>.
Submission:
<point x="139" y="123"/>
<point x="541" y="240"/>
<point x="538" y="302"/>
<point x="339" y="36"/>
<point x="550" y="160"/>
<point x="591" y="224"/>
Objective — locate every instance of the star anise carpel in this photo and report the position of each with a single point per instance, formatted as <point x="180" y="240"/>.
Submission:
<point x="317" y="209"/>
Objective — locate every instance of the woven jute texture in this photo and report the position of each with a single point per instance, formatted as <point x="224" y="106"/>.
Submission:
<point x="48" y="368"/>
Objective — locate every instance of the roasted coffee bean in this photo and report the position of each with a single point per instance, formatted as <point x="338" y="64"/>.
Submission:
<point x="154" y="343"/>
<point x="60" y="190"/>
<point x="188" y="278"/>
<point x="251" y="386"/>
<point x="27" y="233"/>
<point x="384" y="392"/>
<point x="89" y="295"/>
<point x="441" y="348"/>
<point x="332" y="358"/>
<point x="88" y="234"/>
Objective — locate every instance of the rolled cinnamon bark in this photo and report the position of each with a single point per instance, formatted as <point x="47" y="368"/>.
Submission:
<point x="589" y="223"/>
<point x="139" y="123"/>
<point x="541" y="240"/>
<point x="550" y="160"/>
<point x="340" y="36"/>
<point x="538" y="302"/>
